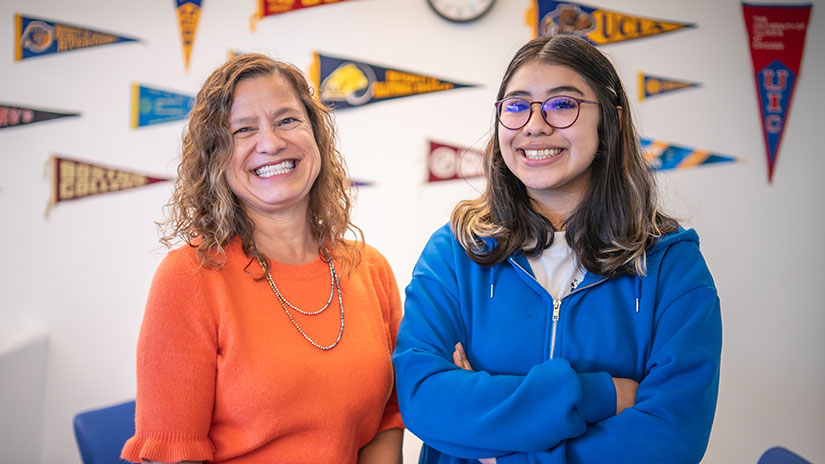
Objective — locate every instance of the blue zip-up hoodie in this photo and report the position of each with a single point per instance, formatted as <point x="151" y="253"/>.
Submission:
<point x="541" y="390"/>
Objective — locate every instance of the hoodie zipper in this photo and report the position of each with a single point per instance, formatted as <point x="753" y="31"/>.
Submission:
<point x="556" y="304"/>
<point x="556" y="310"/>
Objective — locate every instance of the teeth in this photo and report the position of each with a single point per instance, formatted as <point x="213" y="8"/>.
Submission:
<point x="275" y="169"/>
<point x="541" y="154"/>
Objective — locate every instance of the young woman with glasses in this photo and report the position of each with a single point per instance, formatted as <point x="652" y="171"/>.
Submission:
<point x="561" y="316"/>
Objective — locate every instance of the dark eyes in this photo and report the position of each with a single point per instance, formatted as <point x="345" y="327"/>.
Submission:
<point x="285" y="123"/>
<point x="560" y="103"/>
<point x="515" y="106"/>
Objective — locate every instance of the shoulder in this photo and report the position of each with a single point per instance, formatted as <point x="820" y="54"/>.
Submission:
<point x="442" y="241"/>
<point x="185" y="260"/>
<point x="677" y="263"/>
<point x="372" y="263"/>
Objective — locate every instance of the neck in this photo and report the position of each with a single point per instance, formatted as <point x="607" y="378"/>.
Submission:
<point x="558" y="204"/>
<point x="556" y="210"/>
<point x="286" y="240"/>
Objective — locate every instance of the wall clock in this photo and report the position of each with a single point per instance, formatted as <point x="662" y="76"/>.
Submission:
<point x="461" y="11"/>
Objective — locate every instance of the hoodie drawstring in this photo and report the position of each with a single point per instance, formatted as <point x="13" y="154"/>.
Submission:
<point x="492" y="279"/>
<point x="638" y="292"/>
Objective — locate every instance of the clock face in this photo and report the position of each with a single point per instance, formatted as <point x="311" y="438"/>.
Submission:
<point x="461" y="11"/>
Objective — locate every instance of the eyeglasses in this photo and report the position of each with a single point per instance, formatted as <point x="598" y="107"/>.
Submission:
<point x="559" y="112"/>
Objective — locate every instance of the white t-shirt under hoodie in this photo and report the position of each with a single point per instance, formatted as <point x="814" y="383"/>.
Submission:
<point x="557" y="268"/>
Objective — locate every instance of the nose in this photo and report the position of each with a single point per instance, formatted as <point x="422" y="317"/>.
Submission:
<point x="536" y="125"/>
<point x="269" y="141"/>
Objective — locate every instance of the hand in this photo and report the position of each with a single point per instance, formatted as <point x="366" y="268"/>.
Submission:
<point x="625" y="393"/>
<point x="460" y="357"/>
<point x="460" y="360"/>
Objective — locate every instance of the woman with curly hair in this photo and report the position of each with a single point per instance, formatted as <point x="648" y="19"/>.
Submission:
<point x="561" y="317"/>
<point x="243" y="354"/>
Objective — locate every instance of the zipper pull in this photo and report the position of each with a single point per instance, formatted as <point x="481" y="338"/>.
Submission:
<point x="556" y="307"/>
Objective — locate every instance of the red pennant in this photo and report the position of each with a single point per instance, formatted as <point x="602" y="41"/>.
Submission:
<point x="776" y="34"/>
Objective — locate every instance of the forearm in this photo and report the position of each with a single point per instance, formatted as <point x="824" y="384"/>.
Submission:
<point x="385" y="448"/>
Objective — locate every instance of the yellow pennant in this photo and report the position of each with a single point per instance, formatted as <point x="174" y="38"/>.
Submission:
<point x="597" y="25"/>
<point x="189" y="12"/>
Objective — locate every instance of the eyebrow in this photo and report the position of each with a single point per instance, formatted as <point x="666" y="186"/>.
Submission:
<point x="554" y="90"/>
<point x="251" y="119"/>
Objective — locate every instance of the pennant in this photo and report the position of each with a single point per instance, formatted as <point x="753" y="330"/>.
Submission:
<point x="777" y="39"/>
<point x="73" y="179"/>
<point x="597" y="25"/>
<point x="13" y="116"/>
<point x="359" y="183"/>
<point x="154" y="106"/>
<point x="36" y="37"/>
<point x="346" y="83"/>
<point x="662" y="156"/>
<point x="447" y="162"/>
<point x="651" y="86"/>
<point x="189" y="12"/>
<point x="274" y="7"/>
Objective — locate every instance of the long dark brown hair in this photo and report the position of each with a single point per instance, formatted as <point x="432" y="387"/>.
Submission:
<point x="618" y="218"/>
<point x="205" y="213"/>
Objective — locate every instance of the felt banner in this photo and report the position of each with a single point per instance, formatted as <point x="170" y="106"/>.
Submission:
<point x="13" y="116"/>
<point x="346" y="83"/>
<point x="274" y="7"/>
<point x="776" y="34"/>
<point x="154" y="106"/>
<point x="597" y="25"/>
<point x="448" y="162"/>
<point x="37" y="37"/>
<point x="663" y="156"/>
<point x="73" y="179"/>
<point x="652" y="86"/>
<point x="189" y="12"/>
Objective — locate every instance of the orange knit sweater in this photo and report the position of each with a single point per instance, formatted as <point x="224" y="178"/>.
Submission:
<point x="223" y="376"/>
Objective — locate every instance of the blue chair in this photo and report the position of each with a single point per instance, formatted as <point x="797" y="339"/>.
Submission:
<point x="101" y="433"/>
<point x="778" y="455"/>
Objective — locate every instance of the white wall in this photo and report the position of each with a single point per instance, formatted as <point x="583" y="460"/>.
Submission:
<point x="82" y="274"/>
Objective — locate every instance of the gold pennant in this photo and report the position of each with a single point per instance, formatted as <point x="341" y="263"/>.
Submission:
<point x="188" y="16"/>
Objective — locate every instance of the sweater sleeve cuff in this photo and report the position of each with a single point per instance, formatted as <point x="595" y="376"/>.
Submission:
<point x="168" y="448"/>
<point x="598" y="397"/>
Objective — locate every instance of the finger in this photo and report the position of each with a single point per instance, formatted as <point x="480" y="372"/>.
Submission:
<point x="457" y="359"/>
<point x="465" y="363"/>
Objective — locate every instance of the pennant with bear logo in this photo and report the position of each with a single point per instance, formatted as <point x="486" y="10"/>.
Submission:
<point x="73" y="179"/>
<point x="651" y="86"/>
<point x="776" y="34"/>
<point x="448" y="162"/>
<point x="663" y="156"/>
<point x="14" y="116"/>
<point x="597" y="25"/>
<point x="345" y="83"/>
<point x="37" y="37"/>
<point x="274" y="7"/>
<point x="155" y="106"/>
<point x="189" y="12"/>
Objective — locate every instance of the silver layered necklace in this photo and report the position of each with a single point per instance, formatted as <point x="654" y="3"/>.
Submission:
<point x="335" y="286"/>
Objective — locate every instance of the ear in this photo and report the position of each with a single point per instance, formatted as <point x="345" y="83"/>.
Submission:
<point x="619" y="113"/>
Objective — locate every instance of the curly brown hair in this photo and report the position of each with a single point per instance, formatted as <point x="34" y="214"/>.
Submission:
<point x="619" y="217"/>
<point x="205" y="213"/>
